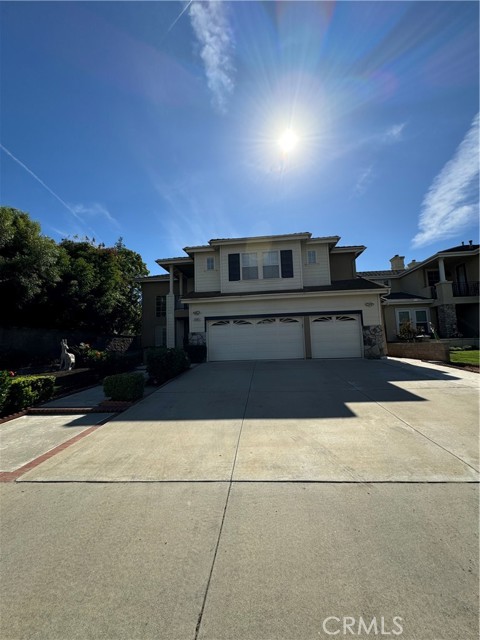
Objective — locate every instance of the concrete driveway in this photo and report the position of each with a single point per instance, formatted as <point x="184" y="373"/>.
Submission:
<point x="257" y="501"/>
<point x="336" y="421"/>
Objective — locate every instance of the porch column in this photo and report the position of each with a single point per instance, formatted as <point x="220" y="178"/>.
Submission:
<point x="441" y="270"/>
<point x="170" y="312"/>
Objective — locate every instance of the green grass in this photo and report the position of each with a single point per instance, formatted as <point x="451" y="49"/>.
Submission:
<point x="465" y="357"/>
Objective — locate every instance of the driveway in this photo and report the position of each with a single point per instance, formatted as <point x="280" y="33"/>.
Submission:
<point x="256" y="501"/>
<point x="335" y="421"/>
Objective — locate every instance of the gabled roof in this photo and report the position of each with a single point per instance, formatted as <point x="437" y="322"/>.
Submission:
<point x="404" y="296"/>
<point x="462" y="247"/>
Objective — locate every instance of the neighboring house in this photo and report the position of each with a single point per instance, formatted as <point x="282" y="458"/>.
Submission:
<point x="266" y="297"/>
<point x="441" y="290"/>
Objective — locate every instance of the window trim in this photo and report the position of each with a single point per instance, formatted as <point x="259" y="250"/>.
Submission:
<point x="277" y="254"/>
<point x="162" y="305"/>
<point x="412" y="315"/>
<point x="248" y="266"/>
<point x="210" y="261"/>
<point x="311" y="253"/>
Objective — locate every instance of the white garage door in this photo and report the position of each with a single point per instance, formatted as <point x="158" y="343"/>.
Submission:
<point x="336" y="336"/>
<point x="255" y="339"/>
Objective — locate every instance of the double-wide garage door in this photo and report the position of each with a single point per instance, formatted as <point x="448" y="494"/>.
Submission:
<point x="332" y="336"/>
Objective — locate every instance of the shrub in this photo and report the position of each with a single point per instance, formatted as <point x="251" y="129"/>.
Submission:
<point x="163" y="363"/>
<point x="4" y="384"/>
<point x="124" y="386"/>
<point x="24" y="391"/>
<point x="106" y="362"/>
<point x="196" y="352"/>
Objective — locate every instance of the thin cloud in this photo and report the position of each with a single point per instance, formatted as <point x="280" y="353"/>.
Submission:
<point x="45" y="186"/>
<point x="95" y="209"/>
<point x="185" y="8"/>
<point x="365" y="179"/>
<point x="394" y="133"/>
<point x="215" y="36"/>
<point x="451" y="203"/>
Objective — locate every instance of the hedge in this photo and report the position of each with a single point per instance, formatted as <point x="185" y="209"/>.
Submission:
<point x="196" y="352"/>
<point x="25" y="391"/>
<point x="124" y="386"/>
<point x="163" y="363"/>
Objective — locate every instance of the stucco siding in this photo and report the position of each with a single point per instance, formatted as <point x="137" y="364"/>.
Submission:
<point x="150" y="291"/>
<point x="318" y="273"/>
<point x="315" y="304"/>
<point x="261" y="284"/>
<point x="342" y="266"/>
<point x="207" y="279"/>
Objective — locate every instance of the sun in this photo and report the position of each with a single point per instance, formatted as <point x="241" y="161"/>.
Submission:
<point x="288" y="141"/>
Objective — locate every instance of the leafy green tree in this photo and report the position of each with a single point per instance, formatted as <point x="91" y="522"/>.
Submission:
<point x="29" y="264"/>
<point x="77" y="284"/>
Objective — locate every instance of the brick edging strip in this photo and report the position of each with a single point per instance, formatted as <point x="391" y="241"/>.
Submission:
<point x="11" y="476"/>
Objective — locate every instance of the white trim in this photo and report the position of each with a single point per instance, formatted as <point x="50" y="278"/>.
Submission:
<point x="414" y="320"/>
<point x="283" y="296"/>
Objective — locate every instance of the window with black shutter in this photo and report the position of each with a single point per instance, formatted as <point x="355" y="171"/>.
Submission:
<point x="233" y="266"/>
<point x="286" y="263"/>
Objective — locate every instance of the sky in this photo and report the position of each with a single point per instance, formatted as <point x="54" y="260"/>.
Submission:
<point x="164" y="123"/>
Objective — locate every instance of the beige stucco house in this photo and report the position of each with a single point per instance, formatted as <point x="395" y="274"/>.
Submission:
<point x="266" y="297"/>
<point x="441" y="290"/>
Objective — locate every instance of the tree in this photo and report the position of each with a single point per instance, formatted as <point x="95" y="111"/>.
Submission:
<point x="76" y="284"/>
<point x="29" y="263"/>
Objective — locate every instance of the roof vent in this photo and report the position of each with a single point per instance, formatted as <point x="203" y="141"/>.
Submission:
<point x="411" y="264"/>
<point x="463" y="244"/>
<point x="470" y="242"/>
<point x="398" y="263"/>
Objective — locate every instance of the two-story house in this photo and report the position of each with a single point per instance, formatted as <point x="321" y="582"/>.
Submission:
<point x="266" y="297"/>
<point x="441" y="290"/>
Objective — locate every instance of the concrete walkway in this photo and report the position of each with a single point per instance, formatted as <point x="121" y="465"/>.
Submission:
<point x="245" y="553"/>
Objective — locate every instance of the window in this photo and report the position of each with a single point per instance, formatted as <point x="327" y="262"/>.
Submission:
<point x="419" y="318"/>
<point x="286" y="263"/>
<point x="271" y="268"/>
<point x="311" y="257"/>
<point x="433" y="276"/>
<point x="160" y="306"/>
<point x="249" y="266"/>
<point x="210" y="264"/>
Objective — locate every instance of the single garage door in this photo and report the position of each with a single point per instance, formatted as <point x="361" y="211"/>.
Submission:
<point x="255" y="339"/>
<point x="336" y="336"/>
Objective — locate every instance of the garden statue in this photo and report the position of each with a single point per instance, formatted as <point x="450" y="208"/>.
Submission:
<point x="67" y="359"/>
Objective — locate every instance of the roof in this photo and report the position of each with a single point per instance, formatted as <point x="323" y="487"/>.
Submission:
<point x="160" y="278"/>
<point x="357" y="284"/>
<point x="386" y="273"/>
<point x="462" y="247"/>
<point x="404" y="296"/>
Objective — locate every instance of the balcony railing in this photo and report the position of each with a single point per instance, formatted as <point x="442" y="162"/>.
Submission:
<point x="465" y="289"/>
<point x="433" y="292"/>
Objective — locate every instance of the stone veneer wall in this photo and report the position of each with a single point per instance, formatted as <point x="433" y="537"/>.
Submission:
<point x="447" y="320"/>
<point x="419" y="350"/>
<point x="374" y="341"/>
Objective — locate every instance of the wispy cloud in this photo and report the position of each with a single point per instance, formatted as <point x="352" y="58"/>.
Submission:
<point x="94" y="209"/>
<point x="365" y="179"/>
<point x="451" y="203"/>
<point x="394" y="133"/>
<point x="40" y="181"/>
<point x="214" y="34"/>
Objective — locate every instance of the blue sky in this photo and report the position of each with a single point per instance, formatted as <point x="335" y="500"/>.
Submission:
<point x="160" y="122"/>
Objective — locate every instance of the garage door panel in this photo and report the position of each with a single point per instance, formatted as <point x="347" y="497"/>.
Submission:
<point x="336" y="336"/>
<point x="255" y="339"/>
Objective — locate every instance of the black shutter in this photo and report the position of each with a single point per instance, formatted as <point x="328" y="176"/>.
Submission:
<point x="234" y="266"/>
<point x="286" y="261"/>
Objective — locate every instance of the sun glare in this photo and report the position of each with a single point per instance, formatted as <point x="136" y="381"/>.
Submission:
<point x="288" y="141"/>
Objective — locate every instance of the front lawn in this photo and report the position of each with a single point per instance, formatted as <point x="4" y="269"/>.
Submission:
<point x="465" y="357"/>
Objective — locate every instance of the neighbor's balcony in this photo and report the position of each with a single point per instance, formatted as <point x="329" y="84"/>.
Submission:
<point x="465" y="289"/>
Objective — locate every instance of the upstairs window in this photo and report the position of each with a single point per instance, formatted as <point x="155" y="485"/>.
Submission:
<point x="271" y="267"/>
<point x="311" y="257"/>
<point x="286" y="263"/>
<point x="433" y="276"/>
<point x="249" y="266"/>
<point x="210" y="264"/>
<point x="160" y="306"/>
